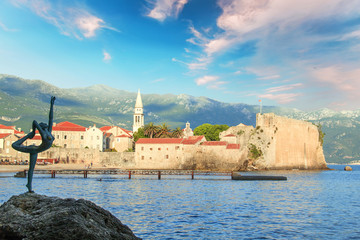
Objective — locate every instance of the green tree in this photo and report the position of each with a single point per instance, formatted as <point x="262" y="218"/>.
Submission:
<point x="321" y="134"/>
<point x="177" y="133"/>
<point x="150" y="130"/>
<point x="139" y="134"/>
<point x="164" y="131"/>
<point x="255" y="152"/>
<point x="211" y="132"/>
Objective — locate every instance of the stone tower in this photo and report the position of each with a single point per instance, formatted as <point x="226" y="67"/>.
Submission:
<point x="138" y="114"/>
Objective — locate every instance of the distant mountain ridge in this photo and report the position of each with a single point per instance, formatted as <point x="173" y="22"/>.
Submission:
<point x="22" y="101"/>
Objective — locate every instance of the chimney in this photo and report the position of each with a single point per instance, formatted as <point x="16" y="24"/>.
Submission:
<point x="54" y="124"/>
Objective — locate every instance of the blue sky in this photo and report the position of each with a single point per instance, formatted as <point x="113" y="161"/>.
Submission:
<point x="303" y="54"/>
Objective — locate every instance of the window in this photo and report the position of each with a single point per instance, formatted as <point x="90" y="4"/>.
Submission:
<point x="142" y="157"/>
<point x="142" y="148"/>
<point x="82" y="137"/>
<point x="150" y="158"/>
<point x="65" y="137"/>
<point x="166" y="156"/>
<point x="58" y="136"/>
<point x="177" y="147"/>
<point x="97" y="137"/>
<point x="159" y="149"/>
<point x="150" y="149"/>
<point x="64" y="145"/>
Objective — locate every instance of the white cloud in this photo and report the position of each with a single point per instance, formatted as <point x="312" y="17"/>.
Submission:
<point x="70" y="20"/>
<point x="206" y="79"/>
<point x="282" y="98"/>
<point x="163" y="9"/>
<point x="274" y="24"/>
<point x="269" y="77"/>
<point x="351" y="35"/>
<point x="107" y="57"/>
<point x="5" y="28"/>
<point x="211" y="82"/>
<point x="284" y="88"/>
<point x="199" y="63"/>
<point x="217" y="85"/>
<point x="243" y="20"/>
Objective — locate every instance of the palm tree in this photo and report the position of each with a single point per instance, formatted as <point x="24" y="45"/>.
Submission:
<point x="177" y="133"/>
<point x="151" y="130"/>
<point x="163" y="132"/>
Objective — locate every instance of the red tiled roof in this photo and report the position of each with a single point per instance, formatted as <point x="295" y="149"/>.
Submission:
<point x="127" y="131"/>
<point x="7" y="127"/>
<point x="123" y="135"/>
<point x="159" y="141"/>
<point x="230" y="135"/>
<point x="68" y="126"/>
<point x="215" y="143"/>
<point x="11" y="128"/>
<point x="192" y="139"/>
<point x="4" y="135"/>
<point x="36" y="137"/>
<point x="105" y="128"/>
<point x="233" y="146"/>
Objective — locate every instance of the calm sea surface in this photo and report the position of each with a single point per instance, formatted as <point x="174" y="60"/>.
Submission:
<point x="310" y="205"/>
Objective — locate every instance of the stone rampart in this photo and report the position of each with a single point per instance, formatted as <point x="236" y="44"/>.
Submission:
<point x="88" y="156"/>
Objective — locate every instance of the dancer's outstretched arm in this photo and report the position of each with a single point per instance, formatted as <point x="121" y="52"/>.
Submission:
<point x="51" y="113"/>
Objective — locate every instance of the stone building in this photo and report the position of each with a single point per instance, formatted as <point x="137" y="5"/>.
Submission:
<point x="71" y="135"/>
<point x="10" y="129"/>
<point x="94" y="138"/>
<point x="6" y="140"/>
<point x="193" y="153"/>
<point x="117" y="138"/>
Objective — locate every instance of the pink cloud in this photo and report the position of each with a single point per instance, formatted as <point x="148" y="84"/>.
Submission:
<point x="337" y="77"/>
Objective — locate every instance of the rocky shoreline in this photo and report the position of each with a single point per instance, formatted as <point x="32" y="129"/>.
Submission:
<point x="33" y="216"/>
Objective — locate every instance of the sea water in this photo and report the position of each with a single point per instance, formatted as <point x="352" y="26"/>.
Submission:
<point x="309" y="205"/>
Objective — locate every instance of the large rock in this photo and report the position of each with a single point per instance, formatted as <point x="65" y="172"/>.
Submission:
<point x="34" y="216"/>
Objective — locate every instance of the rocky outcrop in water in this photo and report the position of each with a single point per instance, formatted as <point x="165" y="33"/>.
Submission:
<point x="33" y="216"/>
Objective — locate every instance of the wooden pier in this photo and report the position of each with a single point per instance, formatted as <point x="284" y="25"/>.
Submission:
<point x="129" y="172"/>
<point x="159" y="173"/>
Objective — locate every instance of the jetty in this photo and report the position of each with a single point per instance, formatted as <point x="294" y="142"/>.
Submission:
<point x="129" y="173"/>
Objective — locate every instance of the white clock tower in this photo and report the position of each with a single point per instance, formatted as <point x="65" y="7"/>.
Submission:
<point x="138" y="114"/>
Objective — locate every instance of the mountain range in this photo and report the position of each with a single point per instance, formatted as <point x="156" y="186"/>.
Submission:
<point x="22" y="101"/>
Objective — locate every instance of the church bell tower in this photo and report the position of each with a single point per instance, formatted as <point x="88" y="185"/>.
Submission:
<point x="138" y="114"/>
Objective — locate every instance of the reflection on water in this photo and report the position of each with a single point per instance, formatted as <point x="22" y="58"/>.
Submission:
<point x="310" y="205"/>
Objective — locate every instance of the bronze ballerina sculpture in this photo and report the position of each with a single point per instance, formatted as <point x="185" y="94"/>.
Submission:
<point x="46" y="138"/>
